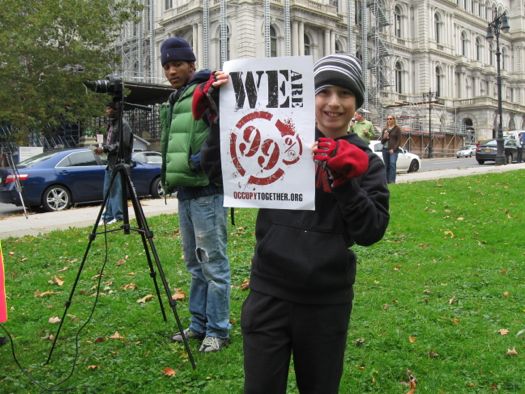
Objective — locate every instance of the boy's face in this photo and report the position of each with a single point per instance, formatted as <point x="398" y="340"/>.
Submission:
<point x="334" y="108"/>
<point x="178" y="73"/>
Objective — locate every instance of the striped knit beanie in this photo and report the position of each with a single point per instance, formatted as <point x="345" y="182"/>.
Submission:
<point x="340" y="70"/>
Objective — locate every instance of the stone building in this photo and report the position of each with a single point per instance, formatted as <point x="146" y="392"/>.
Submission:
<point x="429" y="62"/>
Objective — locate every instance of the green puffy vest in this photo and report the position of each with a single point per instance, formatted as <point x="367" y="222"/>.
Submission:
<point x="179" y="140"/>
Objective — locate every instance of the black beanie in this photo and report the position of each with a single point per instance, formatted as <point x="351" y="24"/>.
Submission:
<point x="176" y="49"/>
<point x="340" y="70"/>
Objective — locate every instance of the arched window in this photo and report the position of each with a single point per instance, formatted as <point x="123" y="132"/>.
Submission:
<point x="464" y="43"/>
<point x="438" y="27"/>
<point x="273" y="42"/>
<point x="439" y="81"/>
<point x="339" y="47"/>
<point x="399" y="77"/>
<point x="479" y="49"/>
<point x="398" y="20"/>
<point x="491" y="54"/>
<point x="307" y="45"/>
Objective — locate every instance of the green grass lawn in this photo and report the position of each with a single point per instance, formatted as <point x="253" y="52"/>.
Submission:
<point x="440" y="298"/>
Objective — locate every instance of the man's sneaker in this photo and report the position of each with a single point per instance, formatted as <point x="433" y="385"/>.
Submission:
<point x="111" y="221"/>
<point x="213" y="344"/>
<point x="188" y="333"/>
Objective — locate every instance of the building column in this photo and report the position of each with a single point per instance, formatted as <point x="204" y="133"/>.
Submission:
<point x="327" y="42"/>
<point x="295" y="38"/>
<point x="301" y="39"/>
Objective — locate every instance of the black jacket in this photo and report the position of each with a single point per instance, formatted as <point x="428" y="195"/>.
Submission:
<point x="305" y="256"/>
<point x="112" y="147"/>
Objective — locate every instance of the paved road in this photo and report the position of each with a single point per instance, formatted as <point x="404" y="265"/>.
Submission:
<point x="14" y="224"/>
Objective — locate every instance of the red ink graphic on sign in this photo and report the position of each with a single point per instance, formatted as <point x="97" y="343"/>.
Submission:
<point x="269" y="155"/>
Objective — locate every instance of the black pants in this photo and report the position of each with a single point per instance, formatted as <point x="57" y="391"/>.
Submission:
<point x="520" y="155"/>
<point x="274" y="330"/>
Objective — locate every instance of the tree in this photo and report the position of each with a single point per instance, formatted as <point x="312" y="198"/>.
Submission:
<point x="48" y="48"/>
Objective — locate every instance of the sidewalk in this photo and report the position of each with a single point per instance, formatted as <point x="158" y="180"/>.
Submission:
<point x="36" y="223"/>
<point x="17" y="225"/>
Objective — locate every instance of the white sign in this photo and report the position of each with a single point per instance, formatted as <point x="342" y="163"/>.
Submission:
<point x="25" y="152"/>
<point x="267" y="118"/>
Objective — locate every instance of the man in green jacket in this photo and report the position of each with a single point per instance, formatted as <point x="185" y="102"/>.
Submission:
<point x="202" y="217"/>
<point x="362" y="127"/>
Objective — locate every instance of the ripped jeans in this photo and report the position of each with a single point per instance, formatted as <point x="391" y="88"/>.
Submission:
<point x="203" y="229"/>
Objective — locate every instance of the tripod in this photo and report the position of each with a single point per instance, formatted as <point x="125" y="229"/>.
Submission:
<point x="122" y="170"/>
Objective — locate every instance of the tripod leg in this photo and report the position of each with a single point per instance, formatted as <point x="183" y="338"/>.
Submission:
<point x="147" y="235"/>
<point x="92" y="237"/>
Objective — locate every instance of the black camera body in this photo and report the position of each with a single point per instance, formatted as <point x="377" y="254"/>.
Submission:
<point x="112" y="84"/>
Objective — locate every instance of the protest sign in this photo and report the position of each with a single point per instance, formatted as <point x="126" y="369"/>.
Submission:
<point x="267" y="118"/>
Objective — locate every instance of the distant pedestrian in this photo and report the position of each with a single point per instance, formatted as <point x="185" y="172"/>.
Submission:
<point x="391" y="139"/>
<point x="361" y="126"/>
<point x="520" y="143"/>
<point x="114" y="209"/>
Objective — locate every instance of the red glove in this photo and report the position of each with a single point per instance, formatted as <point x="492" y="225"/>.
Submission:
<point x="343" y="159"/>
<point x="202" y="100"/>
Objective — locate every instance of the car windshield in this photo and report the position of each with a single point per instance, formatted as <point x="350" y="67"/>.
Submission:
<point x="491" y="143"/>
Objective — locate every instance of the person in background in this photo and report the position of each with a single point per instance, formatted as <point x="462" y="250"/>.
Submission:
<point x="361" y="126"/>
<point x="391" y="139"/>
<point x="202" y="217"/>
<point x="113" y="211"/>
<point x="520" y="144"/>
<point x="303" y="269"/>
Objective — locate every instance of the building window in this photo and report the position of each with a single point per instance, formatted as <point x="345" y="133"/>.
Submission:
<point x="399" y="77"/>
<point x="307" y="45"/>
<point x="438" y="26"/>
<point x="357" y="13"/>
<point x="273" y="42"/>
<point x="168" y="4"/>
<point x="491" y="54"/>
<point x="504" y="58"/>
<point x="439" y="81"/>
<point x="464" y="43"/>
<point x="479" y="49"/>
<point x="398" y="18"/>
<point x="339" y="47"/>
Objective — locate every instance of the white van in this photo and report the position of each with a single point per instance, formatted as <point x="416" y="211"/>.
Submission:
<point x="513" y="134"/>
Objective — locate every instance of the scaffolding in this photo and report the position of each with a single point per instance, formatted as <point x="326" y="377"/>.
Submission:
<point x="375" y="33"/>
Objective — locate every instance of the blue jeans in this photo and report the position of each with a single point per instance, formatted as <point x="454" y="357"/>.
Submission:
<point x="390" y="160"/>
<point x="203" y="228"/>
<point x="114" y="203"/>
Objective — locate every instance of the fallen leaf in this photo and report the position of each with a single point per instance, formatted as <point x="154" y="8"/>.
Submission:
<point x="121" y="262"/>
<point x="48" y="337"/>
<point x="145" y="299"/>
<point x="455" y="321"/>
<point x="169" y="372"/>
<point x="449" y="233"/>
<point x="54" y="320"/>
<point x="100" y="340"/>
<point x="11" y="253"/>
<point x="412" y="339"/>
<point x="129" y="286"/>
<point x="359" y="342"/>
<point x="503" y="331"/>
<point x="178" y="295"/>
<point x="245" y="285"/>
<point x="506" y="294"/>
<point x="58" y="281"/>
<point x="41" y="294"/>
<point x="520" y="332"/>
<point x="512" y="352"/>
<point x="63" y="269"/>
<point x="92" y="367"/>
<point x="412" y="383"/>
<point x="460" y="218"/>
<point x="453" y="300"/>
<point x="116" y="335"/>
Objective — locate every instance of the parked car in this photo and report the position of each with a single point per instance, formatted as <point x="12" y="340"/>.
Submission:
<point x="466" y="151"/>
<point x="56" y="180"/>
<point x="406" y="161"/>
<point x="486" y="151"/>
<point x="147" y="156"/>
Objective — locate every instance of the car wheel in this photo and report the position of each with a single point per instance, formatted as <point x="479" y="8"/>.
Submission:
<point x="56" y="198"/>
<point x="414" y="166"/>
<point x="156" y="188"/>
<point x="481" y="161"/>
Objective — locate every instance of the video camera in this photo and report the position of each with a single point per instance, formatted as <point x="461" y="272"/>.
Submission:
<point x="112" y="84"/>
